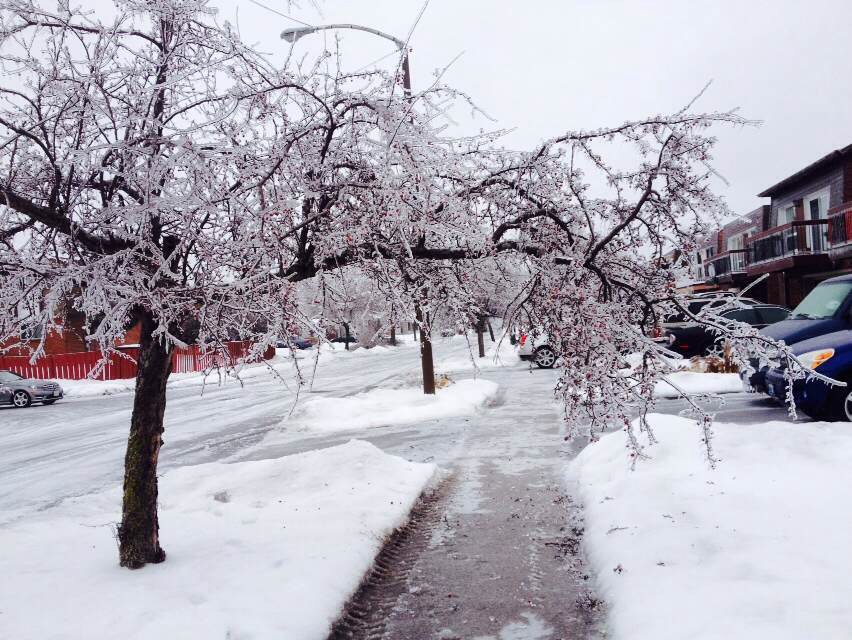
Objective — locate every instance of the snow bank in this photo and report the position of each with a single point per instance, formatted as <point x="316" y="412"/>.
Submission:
<point x="757" y="549"/>
<point x="699" y="383"/>
<point x="268" y="549"/>
<point x="381" y="407"/>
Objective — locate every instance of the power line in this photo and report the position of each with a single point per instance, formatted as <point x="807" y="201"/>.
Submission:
<point x="283" y="15"/>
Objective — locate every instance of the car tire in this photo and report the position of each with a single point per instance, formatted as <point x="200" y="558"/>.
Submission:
<point x="839" y="405"/>
<point x="544" y="357"/>
<point x="21" y="399"/>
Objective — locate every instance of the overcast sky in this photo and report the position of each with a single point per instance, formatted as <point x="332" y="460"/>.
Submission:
<point x="542" y="67"/>
<point x="546" y="66"/>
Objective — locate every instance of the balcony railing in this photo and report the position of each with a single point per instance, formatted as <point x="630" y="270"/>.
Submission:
<point x="800" y="237"/>
<point x="730" y="262"/>
<point x="840" y="225"/>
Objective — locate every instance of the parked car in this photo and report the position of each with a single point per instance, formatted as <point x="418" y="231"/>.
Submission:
<point x="831" y="355"/>
<point x="826" y="309"/>
<point x="694" y="339"/>
<point x="22" y="392"/>
<point x="296" y="341"/>
<point x="537" y="350"/>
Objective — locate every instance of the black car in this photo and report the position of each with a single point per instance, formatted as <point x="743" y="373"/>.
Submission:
<point x="295" y="341"/>
<point x="693" y="339"/>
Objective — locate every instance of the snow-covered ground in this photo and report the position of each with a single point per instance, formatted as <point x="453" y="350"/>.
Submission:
<point x="76" y="446"/>
<point x="266" y="549"/>
<point x="499" y="354"/>
<point x="383" y="407"/>
<point x="757" y="549"/>
<point x="696" y="383"/>
<point x="281" y="364"/>
<point x="259" y="545"/>
<point x="61" y="466"/>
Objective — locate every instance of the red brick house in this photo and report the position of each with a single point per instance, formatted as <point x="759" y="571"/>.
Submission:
<point x="801" y="238"/>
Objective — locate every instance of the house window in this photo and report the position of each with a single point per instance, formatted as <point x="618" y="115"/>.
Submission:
<point x="737" y="244"/>
<point x="785" y="214"/>
<point x="816" y="205"/>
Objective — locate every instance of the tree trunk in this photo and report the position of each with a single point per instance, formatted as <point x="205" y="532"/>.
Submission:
<point x="490" y="330"/>
<point x="346" y="329"/>
<point x="480" y="335"/>
<point x="139" y="531"/>
<point x="393" y="336"/>
<point x="426" y="362"/>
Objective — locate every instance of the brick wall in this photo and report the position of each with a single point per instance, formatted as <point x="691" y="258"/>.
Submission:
<point x="132" y="336"/>
<point x="847" y="180"/>
<point x="776" y="290"/>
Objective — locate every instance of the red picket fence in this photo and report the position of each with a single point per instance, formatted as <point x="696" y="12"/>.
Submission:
<point x="77" y="366"/>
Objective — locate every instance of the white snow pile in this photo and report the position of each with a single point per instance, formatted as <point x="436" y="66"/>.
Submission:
<point x="694" y="383"/>
<point x="269" y="549"/>
<point x="758" y="548"/>
<point x="383" y="407"/>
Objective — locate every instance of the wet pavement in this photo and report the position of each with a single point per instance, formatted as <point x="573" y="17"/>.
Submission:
<point x="504" y="560"/>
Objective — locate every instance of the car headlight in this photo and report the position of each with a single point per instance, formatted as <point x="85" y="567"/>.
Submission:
<point x="813" y="359"/>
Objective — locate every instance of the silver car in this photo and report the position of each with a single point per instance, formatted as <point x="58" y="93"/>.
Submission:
<point x="22" y="392"/>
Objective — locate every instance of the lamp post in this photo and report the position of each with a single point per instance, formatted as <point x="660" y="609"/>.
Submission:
<point x="292" y="35"/>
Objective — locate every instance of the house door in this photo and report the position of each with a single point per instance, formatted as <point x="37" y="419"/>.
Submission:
<point x="816" y="208"/>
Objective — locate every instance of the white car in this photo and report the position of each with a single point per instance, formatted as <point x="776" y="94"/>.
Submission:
<point x="537" y="350"/>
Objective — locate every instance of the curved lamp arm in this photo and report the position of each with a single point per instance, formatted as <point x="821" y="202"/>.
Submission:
<point x="291" y="35"/>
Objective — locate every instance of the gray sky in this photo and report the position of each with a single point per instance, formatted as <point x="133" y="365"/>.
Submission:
<point x="543" y="67"/>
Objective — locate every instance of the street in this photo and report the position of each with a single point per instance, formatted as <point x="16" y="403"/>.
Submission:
<point x="77" y="445"/>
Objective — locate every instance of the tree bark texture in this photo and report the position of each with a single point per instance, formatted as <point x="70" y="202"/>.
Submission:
<point x="426" y="362"/>
<point x="480" y="335"/>
<point x="138" y="533"/>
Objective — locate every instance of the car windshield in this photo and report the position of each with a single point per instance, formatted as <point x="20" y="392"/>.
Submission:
<point x="8" y="376"/>
<point x="823" y="302"/>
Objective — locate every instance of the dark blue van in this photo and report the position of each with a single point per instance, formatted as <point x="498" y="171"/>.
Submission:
<point x="826" y="309"/>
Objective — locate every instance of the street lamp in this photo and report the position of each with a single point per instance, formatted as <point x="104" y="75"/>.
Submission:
<point x="294" y="34"/>
<point x="291" y="36"/>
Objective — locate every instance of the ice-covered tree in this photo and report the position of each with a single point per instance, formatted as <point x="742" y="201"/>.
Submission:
<point x="155" y="170"/>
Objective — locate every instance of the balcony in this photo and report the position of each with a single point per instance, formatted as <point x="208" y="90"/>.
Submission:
<point x="797" y="243"/>
<point x="725" y="265"/>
